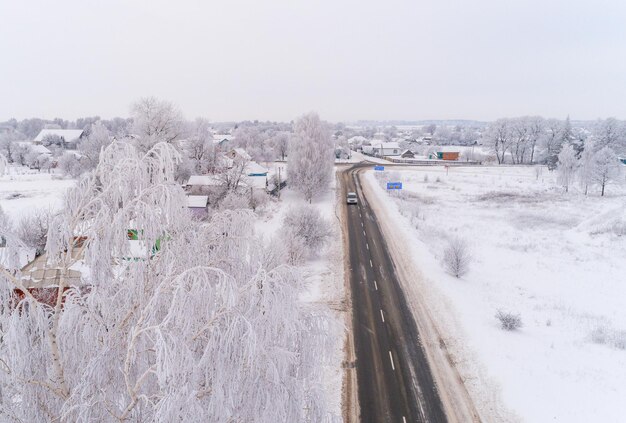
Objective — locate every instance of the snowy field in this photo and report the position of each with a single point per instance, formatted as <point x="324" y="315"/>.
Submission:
<point x="23" y="190"/>
<point x="556" y="259"/>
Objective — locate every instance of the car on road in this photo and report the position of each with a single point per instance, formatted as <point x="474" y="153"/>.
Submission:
<point x="352" y="198"/>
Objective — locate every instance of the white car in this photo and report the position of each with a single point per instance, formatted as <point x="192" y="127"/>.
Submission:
<point x="352" y="198"/>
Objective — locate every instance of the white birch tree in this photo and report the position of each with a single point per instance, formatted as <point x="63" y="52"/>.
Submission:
<point x="311" y="157"/>
<point x="189" y="323"/>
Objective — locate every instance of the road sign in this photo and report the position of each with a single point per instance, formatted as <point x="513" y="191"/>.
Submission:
<point x="394" y="185"/>
<point x="379" y="167"/>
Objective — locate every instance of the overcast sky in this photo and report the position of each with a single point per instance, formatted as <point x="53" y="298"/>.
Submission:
<point x="347" y="60"/>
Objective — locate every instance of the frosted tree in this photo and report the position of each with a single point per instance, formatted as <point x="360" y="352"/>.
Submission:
<point x="535" y="132"/>
<point x="280" y="142"/>
<point x="566" y="167"/>
<point x="311" y="158"/>
<point x="4" y="165"/>
<point x="606" y="168"/>
<point x="154" y="121"/>
<point x="610" y="133"/>
<point x="90" y="147"/>
<point x="498" y="137"/>
<point x="519" y="140"/>
<point x="200" y="148"/>
<point x="586" y="166"/>
<point x="552" y="142"/>
<point x="190" y="321"/>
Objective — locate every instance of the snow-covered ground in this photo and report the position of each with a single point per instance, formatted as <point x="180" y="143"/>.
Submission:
<point x="559" y="260"/>
<point x="323" y="273"/>
<point x="23" y="190"/>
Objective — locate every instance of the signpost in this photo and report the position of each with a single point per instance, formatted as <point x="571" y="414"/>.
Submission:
<point x="394" y="185"/>
<point x="379" y="167"/>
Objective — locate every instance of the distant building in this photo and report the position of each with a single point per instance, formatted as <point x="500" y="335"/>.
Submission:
<point x="386" y="149"/>
<point x="69" y="137"/>
<point x="407" y="154"/>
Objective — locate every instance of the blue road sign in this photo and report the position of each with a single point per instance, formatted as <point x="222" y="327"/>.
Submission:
<point x="394" y="185"/>
<point x="379" y="167"/>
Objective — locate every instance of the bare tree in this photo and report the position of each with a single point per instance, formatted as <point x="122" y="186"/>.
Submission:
<point x="498" y="137"/>
<point x="457" y="257"/>
<point x="586" y="168"/>
<point x="552" y="142"/>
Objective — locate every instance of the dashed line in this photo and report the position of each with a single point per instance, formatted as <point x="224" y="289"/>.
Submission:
<point x="403" y="419"/>
<point x="367" y="246"/>
<point x="361" y="224"/>
<point x="364" y="233"/>
<point x="391" y="358"/>
<point x="375" y="286"/>
<point x="382" y="316"/>
<point x="371" y="264"/>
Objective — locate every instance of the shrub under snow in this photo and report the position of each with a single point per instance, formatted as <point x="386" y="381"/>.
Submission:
<point x="307" y="222"/>
<point x="509" y="321"/>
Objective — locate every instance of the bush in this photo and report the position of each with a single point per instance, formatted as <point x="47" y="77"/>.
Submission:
<point x="457" y="257"/>
<point x="509" y="321"/>
<point x="307" y="223"/>
<point x="33" y="231"/>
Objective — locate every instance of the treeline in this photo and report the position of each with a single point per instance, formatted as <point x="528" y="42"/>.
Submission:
<point x="533" y="139"/>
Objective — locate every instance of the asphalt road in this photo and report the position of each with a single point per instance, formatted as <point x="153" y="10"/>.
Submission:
<point x="395" y="383"/>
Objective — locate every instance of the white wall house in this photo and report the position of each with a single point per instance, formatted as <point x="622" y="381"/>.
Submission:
<point x="69" y="136"/>
<point x="386" y="149"/>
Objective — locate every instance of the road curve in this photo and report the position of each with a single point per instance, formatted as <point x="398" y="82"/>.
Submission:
<point x="395" y="383"/>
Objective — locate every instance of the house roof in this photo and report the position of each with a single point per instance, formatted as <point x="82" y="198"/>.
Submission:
<point x="69" y="135"/>
<point x="197" y="200"/>
<point x="242" y="153"/>
<point x="203" y="180"/>
<point x="253" y="168"/>
<point x="386" y="145"/>
<point x="37" y="148"/>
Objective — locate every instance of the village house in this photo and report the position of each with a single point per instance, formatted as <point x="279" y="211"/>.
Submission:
<point x="69" y="137"/>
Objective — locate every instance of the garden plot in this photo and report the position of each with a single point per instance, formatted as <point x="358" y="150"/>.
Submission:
<point x="556" y="260"/>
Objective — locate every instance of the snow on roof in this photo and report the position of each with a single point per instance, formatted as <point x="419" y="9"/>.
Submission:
<point x="69" y="135"/>
<point x="37" y="148"/>
<point x="197" y="200"/>
<point x="386" y="145"/>
<point x="203" y="180"/>
<point x="253" y="168"/>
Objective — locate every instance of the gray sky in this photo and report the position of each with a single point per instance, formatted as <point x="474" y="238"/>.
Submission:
<point x="347" y="60"/>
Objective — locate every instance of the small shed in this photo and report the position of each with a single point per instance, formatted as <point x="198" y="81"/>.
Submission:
<point x="407" y="154"/>
<point x="197" y="205"/>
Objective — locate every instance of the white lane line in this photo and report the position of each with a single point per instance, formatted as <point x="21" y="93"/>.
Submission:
<point x="403" y="419"/>
<point x="371" y="264"/>
<point x="375" y="286"/>
<point x="382" y="316"/>
<point x="391" y="358"/>
<point x="360" y="215"/>
<point x="367" y="246"/>
<point x="364" y="233"/>
<point x="361" y="224"/>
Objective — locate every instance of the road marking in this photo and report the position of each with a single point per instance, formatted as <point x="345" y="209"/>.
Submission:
<point x="367" y="245"/>
<point x="391" y="358"/>
<point x="371" y="264"/>
<point x="361" y="224"/>
<point x="382" y="316"/>
<point x="403" y="419"/>
<point x="361" y="216"/>
<point x="364" y="233"/>
<point x="375" y="285"/>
